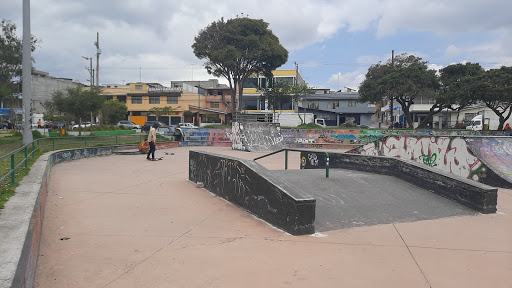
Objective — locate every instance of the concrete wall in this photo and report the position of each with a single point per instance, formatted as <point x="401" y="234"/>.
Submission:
<point x="43" y="86"/>
<point x="448" y="153"/>
<point x="252" y="187"/>
<point x="474" y="195"/>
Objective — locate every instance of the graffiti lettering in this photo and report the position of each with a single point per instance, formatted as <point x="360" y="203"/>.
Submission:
<point x="429" y="160"/>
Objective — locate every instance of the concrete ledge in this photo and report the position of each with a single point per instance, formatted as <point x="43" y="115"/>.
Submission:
<point x="252" y="187"/>
<point x="477" y="196"/>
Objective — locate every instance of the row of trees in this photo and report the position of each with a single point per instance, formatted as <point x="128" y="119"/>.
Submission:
<point x="75" y="104"/>
<point x="406" y="78"/>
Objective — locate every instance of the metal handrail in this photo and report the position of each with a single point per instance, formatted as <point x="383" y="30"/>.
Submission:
<point x="296" y="150"/>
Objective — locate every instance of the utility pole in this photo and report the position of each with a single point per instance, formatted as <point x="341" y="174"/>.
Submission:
<point x="91" y="71"/>
<point x="391" y="100"/>
<point x="27" y="75"/>
<point x="98" y="52"/>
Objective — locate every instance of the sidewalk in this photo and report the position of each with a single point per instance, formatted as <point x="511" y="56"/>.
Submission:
<point x="137" y="223"/>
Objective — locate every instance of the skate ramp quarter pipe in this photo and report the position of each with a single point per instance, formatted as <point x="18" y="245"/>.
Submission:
<point x="495" y="153"/>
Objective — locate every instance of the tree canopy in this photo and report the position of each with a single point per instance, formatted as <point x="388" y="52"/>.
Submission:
<point x="494" y="88"/>
<point x="77" y="103"/>
<point x="238" y="48"/>
<point x="113" y="111"/>
<point x="11" y="49"/>
<point x="403" y="79"/>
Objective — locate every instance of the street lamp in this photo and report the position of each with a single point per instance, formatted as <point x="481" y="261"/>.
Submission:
<point x="91" y="72"/>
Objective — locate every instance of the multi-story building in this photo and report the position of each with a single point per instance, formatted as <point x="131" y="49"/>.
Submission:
<point x="252" y="100"/>
<point x="44" y="85"/>
<point x="337" y="108"/>
<point x="207" y="101"/>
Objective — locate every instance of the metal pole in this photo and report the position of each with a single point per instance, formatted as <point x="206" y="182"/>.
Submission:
<point x="26" y="154"/>
<point x="326" y="165"/>
<point x="98" y="52"/>
<point x="285" y="159"/>
<point x="391" y="100"/>
<point x="27" y="74"/>
<point x="12" y="169"/>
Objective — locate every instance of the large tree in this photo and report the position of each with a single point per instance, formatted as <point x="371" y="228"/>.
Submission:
<point x="113" y="111"/>
<point x="458" y="85"/>
<point x="238" y="48"/>
<point x="403" y="79"/>
<point x="77" y="103"/>
<point x="494" y="88"/>
<point x="10" y="58"/>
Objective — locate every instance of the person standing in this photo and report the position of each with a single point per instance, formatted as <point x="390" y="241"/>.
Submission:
<point x="39" y="123"/>
<point x="152" y="141"/>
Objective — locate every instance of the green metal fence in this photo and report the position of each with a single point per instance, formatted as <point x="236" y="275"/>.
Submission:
<point x="21" y="156"/>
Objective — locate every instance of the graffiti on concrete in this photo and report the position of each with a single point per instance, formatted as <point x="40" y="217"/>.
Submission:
<point x="495" y="152"/>
<point x="256" y="136"/>
<point x="451" y="153"/>
<point x="236" y="136"/>
<point x="429" y="160"/>
<point x="75" y="154"/>
<point x="313" y="159"/>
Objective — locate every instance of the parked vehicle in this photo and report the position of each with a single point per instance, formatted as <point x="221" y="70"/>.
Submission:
<point x="320" y="122"/>
<point x="83" y="125"/>
<point x="148" y="125"/>
<point x="6" y="125"/>
<point x="187" y="125"/>
<point x="54" y="124"/>
<point x="128" y="124"/>
<point x="476" y="123"/>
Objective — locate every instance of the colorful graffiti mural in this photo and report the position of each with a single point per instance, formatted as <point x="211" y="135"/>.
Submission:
<point x="495" y="152"/>
<point x="448" y="153"/>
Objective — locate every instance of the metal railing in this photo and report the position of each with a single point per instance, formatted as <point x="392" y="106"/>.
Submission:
<point x="297" y="150"/>
<point x="20" y="156"/>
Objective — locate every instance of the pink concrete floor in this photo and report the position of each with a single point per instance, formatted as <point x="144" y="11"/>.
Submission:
<point x="137" y="223"/>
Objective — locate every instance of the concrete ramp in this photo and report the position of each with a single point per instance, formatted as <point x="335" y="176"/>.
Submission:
<point x="257" y="136"/>
<point x="495" y="153"/>
<point x="482" y="159"/>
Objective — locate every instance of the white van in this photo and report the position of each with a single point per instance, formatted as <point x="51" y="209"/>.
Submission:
<point x="476" y="123"/>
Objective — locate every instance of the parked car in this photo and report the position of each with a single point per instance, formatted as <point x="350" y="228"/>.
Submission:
<point x="148" y="125"/>
<point x="83" y="125"/>
<point x="6" y="125"/>
<point x="54" y="124"/>
<point x="128" y="124"/>
<point x="187" y="125"/>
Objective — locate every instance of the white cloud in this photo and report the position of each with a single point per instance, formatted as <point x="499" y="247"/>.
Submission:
<point x="158" y="34"/>
<point x="451" y="51"/>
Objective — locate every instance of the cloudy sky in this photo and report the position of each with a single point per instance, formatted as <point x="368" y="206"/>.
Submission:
<point x="333" y="42"/>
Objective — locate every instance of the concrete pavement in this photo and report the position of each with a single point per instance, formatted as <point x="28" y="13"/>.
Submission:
<point x="137" y="223"/>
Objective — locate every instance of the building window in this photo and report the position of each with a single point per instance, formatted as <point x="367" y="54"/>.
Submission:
<point x="334" y="104"/>
<point x="138" y="87"/>
<point x="136" y="99"/>
<point x="352" y="103"/>
<point x="312" y="104"/>
<point x="154" y="99"/>
<point x="214" y="104"/>
<point x="172" y="100"/>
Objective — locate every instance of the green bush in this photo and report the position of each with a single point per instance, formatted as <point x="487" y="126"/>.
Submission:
<point x="36" y="134"/>
<point x="348" y="125"/>
<point x="309" y="126"/>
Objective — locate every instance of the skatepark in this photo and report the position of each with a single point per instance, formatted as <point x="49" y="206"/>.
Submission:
<point x="121" y="221"/>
